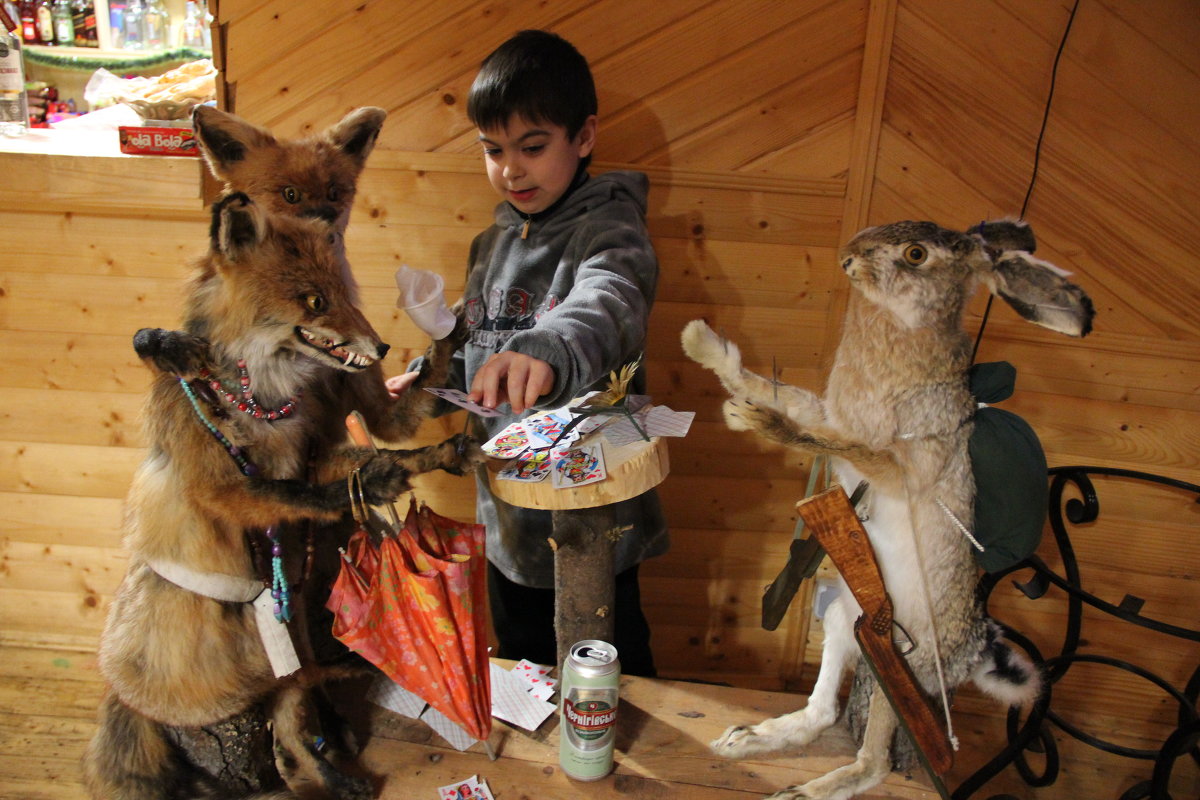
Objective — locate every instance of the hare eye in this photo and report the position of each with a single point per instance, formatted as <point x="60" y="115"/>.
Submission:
<point x="915" y="254"/>
<point x="334" y="194"/>
<point x="291" y="194"/>
<point x="315" y="303"/>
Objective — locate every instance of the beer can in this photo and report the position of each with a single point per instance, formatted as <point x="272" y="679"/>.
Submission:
<point x="588" y="710"/>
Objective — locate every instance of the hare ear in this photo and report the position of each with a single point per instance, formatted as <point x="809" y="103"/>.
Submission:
<point x="1006" y="234"/>
<point x="238" y="226"/>
<point x="1039" y="292"/>
<point x="356" y="133"/>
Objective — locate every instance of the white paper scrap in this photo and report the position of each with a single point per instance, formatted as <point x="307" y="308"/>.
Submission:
<point x="655" y="421"/>
<point x="512" y="703"/>
<point x="389" y="694"/>
<point x="450" y="731"/>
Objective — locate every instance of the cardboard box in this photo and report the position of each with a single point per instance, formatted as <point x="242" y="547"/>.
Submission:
<point x="158" y="140"/>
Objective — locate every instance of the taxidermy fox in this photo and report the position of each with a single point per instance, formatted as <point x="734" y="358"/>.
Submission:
<point x="247" y="451"/>
<point x="897" y="412"/>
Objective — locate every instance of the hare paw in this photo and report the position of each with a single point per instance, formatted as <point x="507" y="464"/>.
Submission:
<point x="739" y="741"/>
<point x="705" y="347"/>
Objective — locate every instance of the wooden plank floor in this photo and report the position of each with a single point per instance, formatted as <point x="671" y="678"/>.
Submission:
<point x="48" y="700"/>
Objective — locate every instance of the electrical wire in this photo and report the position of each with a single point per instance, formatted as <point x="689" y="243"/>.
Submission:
<point x="1037" y="156"/>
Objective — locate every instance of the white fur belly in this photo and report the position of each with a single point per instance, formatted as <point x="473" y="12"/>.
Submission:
<point x="889" y="527"/>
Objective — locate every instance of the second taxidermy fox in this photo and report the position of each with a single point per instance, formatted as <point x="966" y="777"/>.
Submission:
<point x="236" y="458"/>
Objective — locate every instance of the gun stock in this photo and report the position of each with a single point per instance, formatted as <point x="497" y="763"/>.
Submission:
<point x="831" y="518"/>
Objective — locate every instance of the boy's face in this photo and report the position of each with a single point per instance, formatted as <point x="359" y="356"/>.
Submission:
<point x="531" y="165"/>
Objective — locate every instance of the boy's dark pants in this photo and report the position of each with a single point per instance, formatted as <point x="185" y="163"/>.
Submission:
<point x="523" y="619"/>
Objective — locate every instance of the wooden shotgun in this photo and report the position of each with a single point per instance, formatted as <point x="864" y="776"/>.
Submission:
<point x="831" y="518"/>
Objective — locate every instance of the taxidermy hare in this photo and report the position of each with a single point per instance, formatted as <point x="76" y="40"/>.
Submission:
<point x="897" y="413"/>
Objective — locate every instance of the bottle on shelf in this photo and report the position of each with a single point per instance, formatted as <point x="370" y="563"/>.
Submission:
<point x="134" y="38"/>
<point x="155" y="24"/>
<point x="45" y="22"/>
<point x="191" y="31"/>
<point x="29" y="31"/>
<point x="64" y="23"/>
<point x="14" y="103"/>
<point x="116" y="23"/>
<point x="83" y="13"/>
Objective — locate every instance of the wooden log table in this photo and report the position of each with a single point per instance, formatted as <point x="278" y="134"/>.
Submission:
<point x="663" y="731"/>
<point x="585" y="532"/>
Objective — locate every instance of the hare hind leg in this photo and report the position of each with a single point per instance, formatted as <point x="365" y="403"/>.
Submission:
<point x="870" y="766"/>
<point x="794" y="730"/>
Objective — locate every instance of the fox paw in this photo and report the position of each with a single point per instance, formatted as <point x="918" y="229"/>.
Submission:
<point x="383" y="478"/>
<point x="463" y="454"/>
<point x="173" y="352"/>
<point x="745" y="415"/>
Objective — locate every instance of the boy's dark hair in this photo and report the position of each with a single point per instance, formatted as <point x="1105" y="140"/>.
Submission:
<point x="538" y="75"/>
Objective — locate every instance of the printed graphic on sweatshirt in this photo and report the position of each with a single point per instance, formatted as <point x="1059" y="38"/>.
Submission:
<point x="505" y="311"/>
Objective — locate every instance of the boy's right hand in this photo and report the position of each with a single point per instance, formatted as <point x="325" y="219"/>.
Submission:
<point x="518" y="379"/>
<point x="399" y="384"/>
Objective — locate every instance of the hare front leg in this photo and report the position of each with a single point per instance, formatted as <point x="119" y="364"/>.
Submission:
<point x="797" y="729"/>
<point x="746" y="415"/>
<point x="870" y="766"/>
<point x="706" y="348"/>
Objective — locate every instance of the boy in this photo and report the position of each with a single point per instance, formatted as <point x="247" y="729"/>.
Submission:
<point x="558" y="294"/>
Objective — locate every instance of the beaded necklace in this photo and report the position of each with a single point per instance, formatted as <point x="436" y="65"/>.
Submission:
<point x="280" y="592"/>
<point x="244" y="400"/>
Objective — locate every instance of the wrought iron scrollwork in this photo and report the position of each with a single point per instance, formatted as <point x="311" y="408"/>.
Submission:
<point x="1034" y="735"/>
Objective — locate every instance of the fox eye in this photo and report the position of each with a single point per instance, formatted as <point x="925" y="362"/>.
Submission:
<point x="334" y="194"/>
<point x="315" y="303"/>
<point x="915" y="254"/>
<point x="291" y="194"/>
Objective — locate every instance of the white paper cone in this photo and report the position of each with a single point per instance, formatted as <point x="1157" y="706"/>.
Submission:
<point x="423" y="298"/>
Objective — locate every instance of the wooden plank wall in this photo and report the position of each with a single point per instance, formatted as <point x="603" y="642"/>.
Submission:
<point x="771" y="131"/>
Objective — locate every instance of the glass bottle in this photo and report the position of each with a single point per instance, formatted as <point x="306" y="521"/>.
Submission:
<point x="134" y="38"/>
<point x="29" y="31"/>
<point x="64" y="23"/>
<point x="83" y="12"/>
<point x="45" y="22"/>
<point x="191" y="32"/>
<point x="155" y="24"/>
<point x="14" y="103"/>
<point x="116" y="23"/>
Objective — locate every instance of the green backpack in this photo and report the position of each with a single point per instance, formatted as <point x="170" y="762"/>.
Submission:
<point x="1011" y="492"/>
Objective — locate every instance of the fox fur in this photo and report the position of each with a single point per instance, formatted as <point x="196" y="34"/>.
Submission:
<point x="897" y="412"/>
<point x="275" y="292"/>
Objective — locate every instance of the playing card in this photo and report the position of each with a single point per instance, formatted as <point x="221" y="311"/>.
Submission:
<point x="473" y="788"/>
<point x="579" y="467"/>
<point x="460" y="399"/>
<point x="508" y="443"/>
<point x="531" y="466"/>
<point x="546" y="427"/>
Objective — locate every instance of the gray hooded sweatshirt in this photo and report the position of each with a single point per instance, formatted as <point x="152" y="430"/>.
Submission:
<point x="576" y="293"/>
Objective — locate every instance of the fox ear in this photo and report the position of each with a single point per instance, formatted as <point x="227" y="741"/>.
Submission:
<point x="226" y="140"/>
<point x="1040" y="292"/>
<point x="355" y="135"/>
<point x="238" y="226"/>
